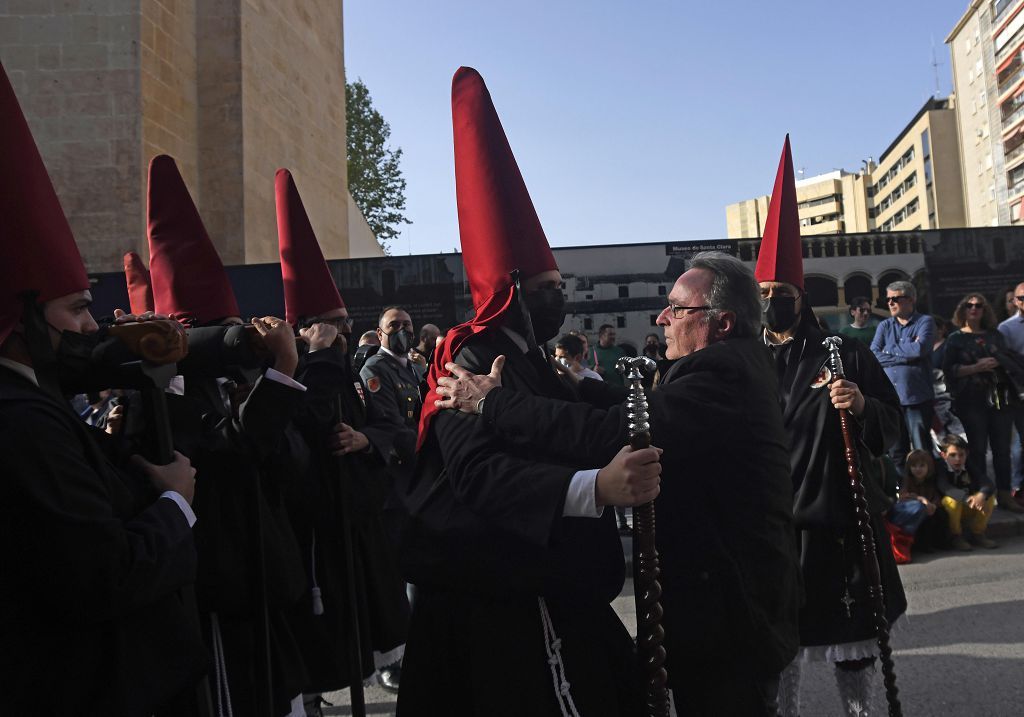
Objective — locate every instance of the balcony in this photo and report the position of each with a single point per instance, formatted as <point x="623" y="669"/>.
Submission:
<point x="1009" y="48"/>
<point x="1013" y="118"/>
<point x="1014" y="154"/>
<point x="1007" y="86"/>
<point x="1015" y="191"/>
<point x="1001" y="7"/>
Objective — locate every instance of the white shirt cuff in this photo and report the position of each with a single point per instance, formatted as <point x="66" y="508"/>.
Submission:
<point x="274" y="375"/>
<point x="178" y="498"/>
<point x="581" y="498"/>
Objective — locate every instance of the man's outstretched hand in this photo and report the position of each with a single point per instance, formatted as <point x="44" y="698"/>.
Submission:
<point x="463" y="390"/>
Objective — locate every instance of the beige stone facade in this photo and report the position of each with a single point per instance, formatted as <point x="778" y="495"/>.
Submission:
<point x="232" y="89"/>
<point x="916" y="184"/>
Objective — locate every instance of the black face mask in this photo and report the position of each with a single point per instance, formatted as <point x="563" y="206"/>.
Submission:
<point x="780" y="313"/>
<point x="547" y="312"/>
<point x="400" y="342"/>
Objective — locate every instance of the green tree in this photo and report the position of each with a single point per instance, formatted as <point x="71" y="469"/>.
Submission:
<point x="374" y="178"/>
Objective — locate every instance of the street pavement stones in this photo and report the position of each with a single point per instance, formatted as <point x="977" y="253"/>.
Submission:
<point x="959" y="651"/>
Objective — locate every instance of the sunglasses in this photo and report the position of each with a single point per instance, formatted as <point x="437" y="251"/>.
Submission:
<point x="974" y="305"/>
<point x="895" y="299"/>
<point x="1020" y="299"/>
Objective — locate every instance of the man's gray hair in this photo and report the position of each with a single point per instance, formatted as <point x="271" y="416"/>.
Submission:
<point x="733" y="288"/>
<point x="906" y="287"/>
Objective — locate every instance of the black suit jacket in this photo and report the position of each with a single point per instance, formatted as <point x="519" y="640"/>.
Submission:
<point x="90" y="619"/>
<point x="724" y="520"/>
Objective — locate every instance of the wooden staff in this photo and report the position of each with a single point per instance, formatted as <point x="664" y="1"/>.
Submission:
<point x="867" y="537"/>
<point x="646" y="588"/>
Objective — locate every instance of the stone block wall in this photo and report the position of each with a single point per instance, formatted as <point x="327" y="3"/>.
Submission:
<point x="293" y="116"/>
<point x="167" y="97"/>
<point x="233" y="89"/>
<point x="74" y="67"/>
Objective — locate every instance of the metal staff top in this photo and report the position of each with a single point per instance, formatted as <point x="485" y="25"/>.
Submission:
<point x="638" y="419"/>
<point x="835" y="361"/>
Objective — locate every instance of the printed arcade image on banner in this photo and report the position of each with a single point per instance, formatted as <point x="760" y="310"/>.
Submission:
<point x="988" y="261"/>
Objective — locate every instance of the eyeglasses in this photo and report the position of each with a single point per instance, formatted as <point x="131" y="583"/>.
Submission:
<point x="895" y="299"/>
<point x="1020" y="299"/>
<point x="679" y="312"/>
<point x="974" y="305"/>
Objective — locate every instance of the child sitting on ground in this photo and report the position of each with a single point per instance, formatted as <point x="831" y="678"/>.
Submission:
<point x="917" y="518"/>
<point x="968" y="502"/>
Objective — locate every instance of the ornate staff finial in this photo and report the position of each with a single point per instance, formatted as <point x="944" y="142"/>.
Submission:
<point x="647" y="589"/>
<point x="835" y="361"/>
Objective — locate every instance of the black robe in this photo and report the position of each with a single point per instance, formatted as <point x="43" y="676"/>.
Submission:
<point x="91" y="622"/>
<point x="314" y="505"/>
<point x="724" y="523"/>
<point x="484" y="540"/>
<point x="243" y="467"/>
<point x="827" y="537"/>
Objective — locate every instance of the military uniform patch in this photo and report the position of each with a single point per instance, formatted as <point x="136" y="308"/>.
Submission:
<point x="823" y="378"/>
<point x="359" y="390"/>
<point x="373" y="383"/>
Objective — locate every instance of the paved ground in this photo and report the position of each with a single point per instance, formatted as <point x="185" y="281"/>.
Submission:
<point x="960" y="651"/>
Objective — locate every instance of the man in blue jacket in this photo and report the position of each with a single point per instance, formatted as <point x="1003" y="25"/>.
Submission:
<point x="903" y="345"/>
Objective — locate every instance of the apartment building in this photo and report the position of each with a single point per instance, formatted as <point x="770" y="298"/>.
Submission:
<point x="916" y="184"/>
<point x="987" y="51"/>
<point x="832" y="203"/>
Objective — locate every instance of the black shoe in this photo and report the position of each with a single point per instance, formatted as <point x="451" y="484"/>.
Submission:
<point x="390" y="676"/>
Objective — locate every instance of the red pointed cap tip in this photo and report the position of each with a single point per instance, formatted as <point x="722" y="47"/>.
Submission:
<point x="187" y="274"/>
<point x="140" y="290"/>
<point x="309" y="288"/>
<point x="498" y="224"/>
<point x="780" y="257"/>
<point x="37" y="249"/>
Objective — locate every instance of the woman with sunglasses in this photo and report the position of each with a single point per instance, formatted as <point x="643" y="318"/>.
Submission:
<point x="981" y="392"/>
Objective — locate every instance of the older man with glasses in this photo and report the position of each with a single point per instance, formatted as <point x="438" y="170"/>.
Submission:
<point x="903" y="345"/>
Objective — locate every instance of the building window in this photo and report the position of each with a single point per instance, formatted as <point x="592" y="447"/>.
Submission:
<point x="654" y="319"/>
<point x="588" y="323"/>
<point x="926" y="147"/>
<point x="623" y="292"/>
<point x="620" y="322"/>
<point x="590" y="297"/>
<point x="662" y="290"/>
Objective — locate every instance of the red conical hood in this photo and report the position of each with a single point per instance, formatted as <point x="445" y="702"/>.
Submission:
<point x="498" y="225"/>
<point x="140" y="290"/>
<point x="37" y="249"/>
<point x="189" y="281"/>
<point x="781" y="256"/>
<point x="309" y="289"/>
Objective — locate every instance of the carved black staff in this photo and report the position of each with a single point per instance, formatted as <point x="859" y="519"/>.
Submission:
<point x="867" y="537"/>
<point x="646" y="588"/>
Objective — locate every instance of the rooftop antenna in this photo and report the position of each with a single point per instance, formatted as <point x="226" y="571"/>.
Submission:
<point x="801" y="172"/>
<point x="935" y="69"/>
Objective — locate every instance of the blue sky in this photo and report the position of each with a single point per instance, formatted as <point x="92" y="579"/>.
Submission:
<point x="640" y="120"/>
